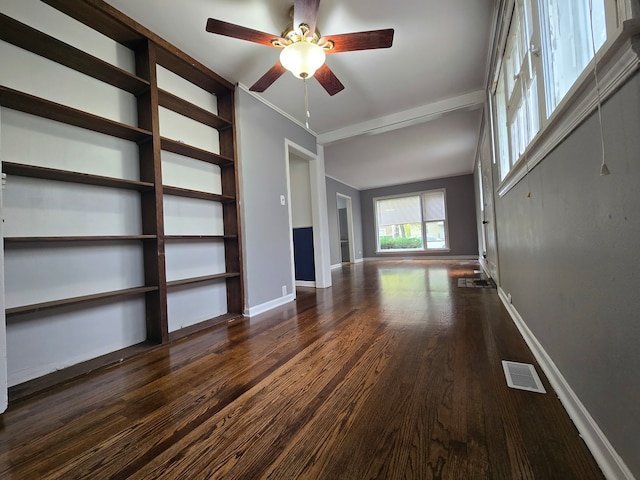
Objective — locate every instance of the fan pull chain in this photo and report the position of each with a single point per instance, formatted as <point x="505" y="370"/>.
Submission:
<point x="306" y="103"/>
<point x="604" y="169"/>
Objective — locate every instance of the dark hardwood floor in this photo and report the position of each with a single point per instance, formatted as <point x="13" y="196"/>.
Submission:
<point x="393" y="373"/>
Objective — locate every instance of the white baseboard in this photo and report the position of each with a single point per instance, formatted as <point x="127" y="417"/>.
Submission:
<point x="265" y="307"/>
<point x="339" y="265"/>
<point x="483" y="264"/>
<point x="608" y="459"/>
<point x="396" y="256"/>
<point x="304" y="283"/>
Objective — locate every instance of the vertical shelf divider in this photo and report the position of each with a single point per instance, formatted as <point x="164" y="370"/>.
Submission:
<point x="152" y="202"/>
<point x="231" y="211"/>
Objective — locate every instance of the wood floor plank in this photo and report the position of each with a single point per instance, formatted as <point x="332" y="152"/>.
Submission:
<point x="393" y="373"/>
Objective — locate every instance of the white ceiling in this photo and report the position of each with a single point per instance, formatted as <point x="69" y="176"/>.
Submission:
<point x="428" y="86"/>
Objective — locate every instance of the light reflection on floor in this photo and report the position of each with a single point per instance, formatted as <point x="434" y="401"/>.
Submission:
<point x="417" y="294"/>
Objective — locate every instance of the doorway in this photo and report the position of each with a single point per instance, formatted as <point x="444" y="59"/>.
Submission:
<point x="345" y="228"/>
<point x="314" y="195"/>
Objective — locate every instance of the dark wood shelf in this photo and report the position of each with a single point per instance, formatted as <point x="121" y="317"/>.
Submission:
<point x="185" y="192"/>
<point x="49" y="47"/>
<point x="178" y="105"/>
<point x="93" y="238"/>
<point x="200" y="237"/>
<point x="74" y="177"/>
<point x="26" y="103"/>
<point x="37" y="307"/>
<point x="194" y="152"/>
<point x="206" y="278"/>
<point x="107" y="20"/>
<point x="190" y="69"/>
<point x="103" y="18"/>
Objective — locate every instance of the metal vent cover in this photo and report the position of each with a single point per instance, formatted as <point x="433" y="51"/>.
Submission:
<point x="522" y="376"/>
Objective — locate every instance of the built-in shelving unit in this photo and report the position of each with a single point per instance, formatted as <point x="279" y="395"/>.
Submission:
<point x="152" y="190"/>
<point x="30" y="39"/>
<point x="74" y="177"/>
<point x="41" y="107"/>
<point x="37" y="307"/>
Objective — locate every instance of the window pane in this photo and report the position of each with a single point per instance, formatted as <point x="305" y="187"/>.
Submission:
<point x="532" y="108"/>
<point x="399" y="223"/>
<point x="501" y="127"/>
<point x="436" y="234"/>
<point x="568" y="44"/>
<point x="393" y="211"/>
<point x="434" y="206"/>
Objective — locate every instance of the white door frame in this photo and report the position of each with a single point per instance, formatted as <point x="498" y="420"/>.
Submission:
<point x="352" y="247"/>
<point x="321" y="256"/>
<point x="488" y="215"/>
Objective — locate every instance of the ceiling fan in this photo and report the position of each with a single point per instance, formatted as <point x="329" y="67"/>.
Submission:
<point x="303" y="48"/>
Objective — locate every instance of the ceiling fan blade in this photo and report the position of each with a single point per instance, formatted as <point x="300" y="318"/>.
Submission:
<point x="268" y="78"/>
<point x="243" y="33"/>
<point x="328" y="80"/>
<point x="306" y="11"/>
<point x="349" y="42"/>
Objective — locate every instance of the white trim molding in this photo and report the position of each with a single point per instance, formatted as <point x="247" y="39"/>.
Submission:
<point x="413" y="116"/>
<point x="400" y="256"/>
<point x="612" y="466"/>
<point x="356" y="261"/>
<point x="615" y="66"/>
<point x="270" y="305"/>
<point x="305" y="283"/>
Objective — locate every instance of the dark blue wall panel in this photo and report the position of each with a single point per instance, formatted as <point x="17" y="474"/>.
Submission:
<point x="303" y="254"/>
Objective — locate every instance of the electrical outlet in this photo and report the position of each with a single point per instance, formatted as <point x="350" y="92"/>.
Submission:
<point x="282" y="200"/>
<point x="284" y="290"/>
<point x="509" y="297"/>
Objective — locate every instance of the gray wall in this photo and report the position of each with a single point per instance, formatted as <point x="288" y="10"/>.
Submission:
<point x="569" y="256"/>
<point x="460" y="194"/>
<point x="333" y="188"/>
<point x="265" y="223"/>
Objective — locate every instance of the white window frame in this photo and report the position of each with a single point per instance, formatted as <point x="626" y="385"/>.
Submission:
<point x="423" y="248"/>
<point x="571" y="110"/>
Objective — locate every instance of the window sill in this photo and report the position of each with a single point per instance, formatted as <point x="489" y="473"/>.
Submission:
<point x="617" y="61"/>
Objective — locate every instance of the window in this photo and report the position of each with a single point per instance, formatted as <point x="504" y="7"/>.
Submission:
<point x="548" y="45"/>
<point x="412" y="222"/>
<point x="568" y="46"/>
<point x="518" y="114"/>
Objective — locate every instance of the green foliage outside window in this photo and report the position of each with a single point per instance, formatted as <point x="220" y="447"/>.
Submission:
<point x="389" y="243"/>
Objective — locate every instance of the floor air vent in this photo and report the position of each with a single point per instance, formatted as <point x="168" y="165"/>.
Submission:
<point x="522" y="376"/>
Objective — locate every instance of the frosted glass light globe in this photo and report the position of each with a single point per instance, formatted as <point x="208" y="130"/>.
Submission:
<point x="302" y="58"/>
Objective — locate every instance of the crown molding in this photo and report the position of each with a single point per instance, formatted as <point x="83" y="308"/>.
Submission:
<point x="406" y="118"/>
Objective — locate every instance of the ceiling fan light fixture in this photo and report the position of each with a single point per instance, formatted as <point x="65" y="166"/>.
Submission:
<point x="302" y="58"/>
